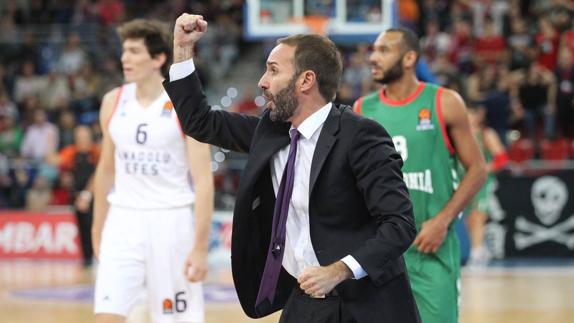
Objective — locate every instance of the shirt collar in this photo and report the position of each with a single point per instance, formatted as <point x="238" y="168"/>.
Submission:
<point x="313" y="122"/>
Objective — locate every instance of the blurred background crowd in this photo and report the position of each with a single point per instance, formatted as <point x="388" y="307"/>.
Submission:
<point x="58" y="57"/>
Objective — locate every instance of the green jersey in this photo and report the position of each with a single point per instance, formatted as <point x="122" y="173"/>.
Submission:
<point x="419" y="135"/>
<point x="430" y="173"/>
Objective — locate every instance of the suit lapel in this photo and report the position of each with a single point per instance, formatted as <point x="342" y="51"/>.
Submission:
<point x="270" y="139"/>
<point x="274" y="136"/>
<point x="326" y="141"/>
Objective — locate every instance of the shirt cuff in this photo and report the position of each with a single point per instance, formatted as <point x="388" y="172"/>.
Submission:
<point x="178" y="71"/>
<point x="355" y="267"/>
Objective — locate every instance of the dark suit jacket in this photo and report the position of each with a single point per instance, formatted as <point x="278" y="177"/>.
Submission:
<point x="358" y="203"/>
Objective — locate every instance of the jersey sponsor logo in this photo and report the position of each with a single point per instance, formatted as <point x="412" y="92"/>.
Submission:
<point x="167" y="109"/>
<point x="167" y="306"/>
<point x="425" y="122"/>
<point x="419" y="181"/>
<point x="143" y="162"/>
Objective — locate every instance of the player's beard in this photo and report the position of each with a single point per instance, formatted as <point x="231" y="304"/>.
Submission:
<point x="392" y="74"/>
<point x="285" y="102"/>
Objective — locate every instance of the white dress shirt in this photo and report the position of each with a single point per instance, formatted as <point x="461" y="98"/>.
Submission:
<point x="299" y="252"/>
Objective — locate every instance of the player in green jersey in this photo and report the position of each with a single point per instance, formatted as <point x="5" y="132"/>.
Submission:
<point x="430" y="129"/>
<point x="495" y="157"/>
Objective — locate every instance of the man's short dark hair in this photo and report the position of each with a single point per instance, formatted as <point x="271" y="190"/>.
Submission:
<point x="409" y="41"/>
<point x="320" y="55"/>
<point x="156" y="37"/>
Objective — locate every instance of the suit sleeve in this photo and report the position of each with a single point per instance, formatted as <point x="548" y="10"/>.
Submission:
<point x="377" y="167"/>
<point x="231" y="131"/>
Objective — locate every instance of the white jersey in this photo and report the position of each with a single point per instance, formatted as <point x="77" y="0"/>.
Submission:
<point x="151" y="168"/>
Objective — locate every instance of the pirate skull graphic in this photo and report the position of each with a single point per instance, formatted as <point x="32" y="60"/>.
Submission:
<point x="549" y="195"/>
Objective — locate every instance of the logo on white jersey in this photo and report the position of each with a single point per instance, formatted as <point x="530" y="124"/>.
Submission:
<point x="167" y="109"/>
<point x="143" y="162"/>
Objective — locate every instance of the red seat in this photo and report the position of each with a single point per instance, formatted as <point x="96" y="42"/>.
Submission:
<point x="521" y="150"/>
<point x="554" y="150"/>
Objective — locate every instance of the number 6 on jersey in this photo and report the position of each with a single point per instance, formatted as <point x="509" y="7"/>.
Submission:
<point x="141" y="134"/>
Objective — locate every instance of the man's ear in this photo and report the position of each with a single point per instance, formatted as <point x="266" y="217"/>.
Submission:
<point x="307" y="80"/>
<point x="410" y="59"/>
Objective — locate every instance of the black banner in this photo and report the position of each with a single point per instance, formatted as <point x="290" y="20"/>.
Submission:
<point x="532" y="215"/>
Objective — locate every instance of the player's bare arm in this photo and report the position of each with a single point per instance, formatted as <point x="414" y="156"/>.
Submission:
<point x="199" y="160"/>
<point x="433" y="231"/>
<point x="105" y="171"/>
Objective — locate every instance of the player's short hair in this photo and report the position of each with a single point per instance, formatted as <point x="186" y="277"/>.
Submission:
<point x="409" y="41"/>
<point x="156" y="37"/>
<point x="320" y="55"/>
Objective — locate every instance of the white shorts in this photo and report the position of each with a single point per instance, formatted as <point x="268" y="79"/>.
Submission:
<point x="145" y="250"/>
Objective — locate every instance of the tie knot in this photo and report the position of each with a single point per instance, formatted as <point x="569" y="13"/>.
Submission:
<point x="295" y="134"/>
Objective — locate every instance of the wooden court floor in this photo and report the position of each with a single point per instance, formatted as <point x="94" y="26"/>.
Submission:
<point x="60" y="292"/>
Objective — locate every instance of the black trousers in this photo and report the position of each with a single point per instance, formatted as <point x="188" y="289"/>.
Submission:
<point x="85" y="229"/>
<point x="301" y="307"/>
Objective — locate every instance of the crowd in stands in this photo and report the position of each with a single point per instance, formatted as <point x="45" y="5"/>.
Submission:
<point x="514" y="57"/>
<point x="58" y="58"/>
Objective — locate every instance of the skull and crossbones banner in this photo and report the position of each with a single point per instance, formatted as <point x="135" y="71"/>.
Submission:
<point x="539" y="214"/>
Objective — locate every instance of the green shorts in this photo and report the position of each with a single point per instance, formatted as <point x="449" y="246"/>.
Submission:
<point x="435" y="282"/>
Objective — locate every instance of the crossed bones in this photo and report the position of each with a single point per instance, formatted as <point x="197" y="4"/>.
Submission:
<point x="538" y="233"/>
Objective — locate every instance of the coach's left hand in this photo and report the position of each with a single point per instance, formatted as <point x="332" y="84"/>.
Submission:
<point x="318" y="281"/>
<point x="196" y="265"/>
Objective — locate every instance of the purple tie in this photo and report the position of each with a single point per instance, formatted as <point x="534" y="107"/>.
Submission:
<point x="277" y="243"/>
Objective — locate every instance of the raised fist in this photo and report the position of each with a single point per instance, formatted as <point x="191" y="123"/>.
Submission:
<point x="188" y="30"/>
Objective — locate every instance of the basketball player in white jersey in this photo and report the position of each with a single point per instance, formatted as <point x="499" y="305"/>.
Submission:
<point x="146" y="234"/>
